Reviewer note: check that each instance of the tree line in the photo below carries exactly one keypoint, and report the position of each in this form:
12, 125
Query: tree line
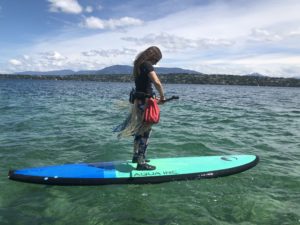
213, 79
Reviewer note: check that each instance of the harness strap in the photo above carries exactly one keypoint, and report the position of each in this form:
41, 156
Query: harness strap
139, 95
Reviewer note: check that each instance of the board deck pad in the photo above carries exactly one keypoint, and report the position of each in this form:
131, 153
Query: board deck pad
124, 172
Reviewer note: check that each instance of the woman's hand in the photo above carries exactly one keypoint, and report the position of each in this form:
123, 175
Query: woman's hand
161, 100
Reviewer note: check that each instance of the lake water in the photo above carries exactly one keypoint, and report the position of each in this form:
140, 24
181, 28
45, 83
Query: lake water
58, 122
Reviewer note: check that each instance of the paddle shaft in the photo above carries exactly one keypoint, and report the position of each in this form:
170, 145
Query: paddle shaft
172, 98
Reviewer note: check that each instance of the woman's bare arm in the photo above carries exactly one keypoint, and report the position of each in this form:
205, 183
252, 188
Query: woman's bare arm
154, 78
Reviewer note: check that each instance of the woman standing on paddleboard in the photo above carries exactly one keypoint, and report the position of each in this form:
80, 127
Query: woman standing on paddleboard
144, 76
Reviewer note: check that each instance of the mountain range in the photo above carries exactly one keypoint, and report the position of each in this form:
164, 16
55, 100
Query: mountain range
116, 69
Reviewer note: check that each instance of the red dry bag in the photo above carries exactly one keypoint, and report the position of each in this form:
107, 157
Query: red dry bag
152, 112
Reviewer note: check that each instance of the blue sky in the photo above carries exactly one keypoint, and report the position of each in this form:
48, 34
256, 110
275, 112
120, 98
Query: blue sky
210, 36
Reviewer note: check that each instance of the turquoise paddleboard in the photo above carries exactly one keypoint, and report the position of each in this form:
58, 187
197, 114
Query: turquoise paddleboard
124, 172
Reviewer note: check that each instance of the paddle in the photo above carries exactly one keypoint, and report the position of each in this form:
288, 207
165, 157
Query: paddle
172, 98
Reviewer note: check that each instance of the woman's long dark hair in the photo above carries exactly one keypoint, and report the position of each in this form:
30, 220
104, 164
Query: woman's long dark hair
150, 53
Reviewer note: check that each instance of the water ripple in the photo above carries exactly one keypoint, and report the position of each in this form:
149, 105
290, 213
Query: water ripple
54, 122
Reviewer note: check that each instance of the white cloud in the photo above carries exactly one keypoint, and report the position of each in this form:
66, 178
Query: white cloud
65, 6
53, 60
295, 32
54, 56
93, 23
109, 52
97, 23
26, 57
15, 62
263, 35
276, 65
271, 59
175, 43
89, 9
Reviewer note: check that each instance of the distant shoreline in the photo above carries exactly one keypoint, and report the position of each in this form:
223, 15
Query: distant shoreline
213, 79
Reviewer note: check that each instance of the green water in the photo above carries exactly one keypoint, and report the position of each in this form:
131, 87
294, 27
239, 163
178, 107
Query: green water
55, 122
